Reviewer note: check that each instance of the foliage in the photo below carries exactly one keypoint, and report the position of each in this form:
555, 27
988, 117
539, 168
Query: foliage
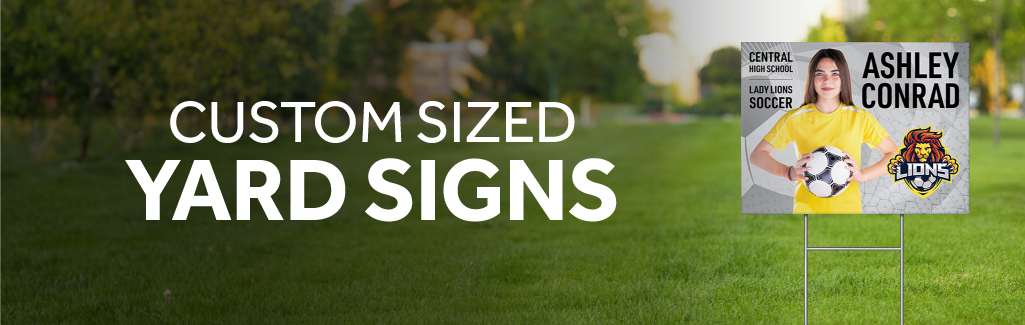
720, 83
544, 49
130, 59
126, 59
723, 68
976, 22
828, 30
723, 100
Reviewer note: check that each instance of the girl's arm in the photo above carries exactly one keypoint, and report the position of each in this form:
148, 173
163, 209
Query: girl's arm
762, 158
888, 149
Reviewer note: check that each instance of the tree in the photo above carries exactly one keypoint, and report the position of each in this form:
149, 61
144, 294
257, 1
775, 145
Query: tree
129, 59
996, 27
828, 30
44, 75
720, 83
536, 51
722, 69
954, 21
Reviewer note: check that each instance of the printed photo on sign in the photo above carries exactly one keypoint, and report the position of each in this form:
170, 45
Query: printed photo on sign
854, 128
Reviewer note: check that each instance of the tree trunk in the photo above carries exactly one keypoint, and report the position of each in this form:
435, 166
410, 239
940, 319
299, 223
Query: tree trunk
41, 142
995, 93
86, 117
86, 125
553, 85
124, 129
85, 146
33, 148
585, 110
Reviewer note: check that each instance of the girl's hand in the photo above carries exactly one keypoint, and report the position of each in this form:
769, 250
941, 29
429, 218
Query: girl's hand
799, 169
853, 167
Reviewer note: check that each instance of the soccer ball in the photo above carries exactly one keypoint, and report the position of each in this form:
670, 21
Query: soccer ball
828, 175
923, 184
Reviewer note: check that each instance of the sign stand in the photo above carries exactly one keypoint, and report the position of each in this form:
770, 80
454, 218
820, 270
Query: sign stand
901, 249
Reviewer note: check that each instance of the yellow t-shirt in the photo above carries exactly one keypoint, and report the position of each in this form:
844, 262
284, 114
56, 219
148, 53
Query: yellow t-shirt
846, 128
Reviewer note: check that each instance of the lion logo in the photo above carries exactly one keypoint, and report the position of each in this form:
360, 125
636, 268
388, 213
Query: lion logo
923, 162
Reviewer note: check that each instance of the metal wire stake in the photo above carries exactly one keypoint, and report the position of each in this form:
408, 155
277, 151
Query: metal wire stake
901, 249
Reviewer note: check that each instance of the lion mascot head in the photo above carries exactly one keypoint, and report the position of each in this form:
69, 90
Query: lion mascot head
923, 145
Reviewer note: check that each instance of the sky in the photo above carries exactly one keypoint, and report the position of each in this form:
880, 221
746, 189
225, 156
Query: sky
700, 27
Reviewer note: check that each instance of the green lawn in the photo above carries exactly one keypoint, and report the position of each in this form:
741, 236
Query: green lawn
76, 247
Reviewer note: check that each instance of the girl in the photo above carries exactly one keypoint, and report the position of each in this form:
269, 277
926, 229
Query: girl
827, 117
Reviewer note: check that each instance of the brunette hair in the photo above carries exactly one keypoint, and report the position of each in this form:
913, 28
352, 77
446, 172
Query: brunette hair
810, 96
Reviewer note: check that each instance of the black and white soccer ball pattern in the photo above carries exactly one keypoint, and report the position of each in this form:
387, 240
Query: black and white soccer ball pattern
828, 175
923, 183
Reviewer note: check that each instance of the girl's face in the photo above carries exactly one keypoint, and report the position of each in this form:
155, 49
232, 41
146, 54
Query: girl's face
827, 79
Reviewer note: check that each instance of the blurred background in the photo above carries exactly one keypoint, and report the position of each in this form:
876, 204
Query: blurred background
92, 78
655, 86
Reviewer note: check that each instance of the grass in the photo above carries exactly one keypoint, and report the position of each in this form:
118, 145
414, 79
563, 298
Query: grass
76, 247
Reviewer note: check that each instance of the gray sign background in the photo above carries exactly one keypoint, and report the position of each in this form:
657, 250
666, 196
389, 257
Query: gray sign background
764, 193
